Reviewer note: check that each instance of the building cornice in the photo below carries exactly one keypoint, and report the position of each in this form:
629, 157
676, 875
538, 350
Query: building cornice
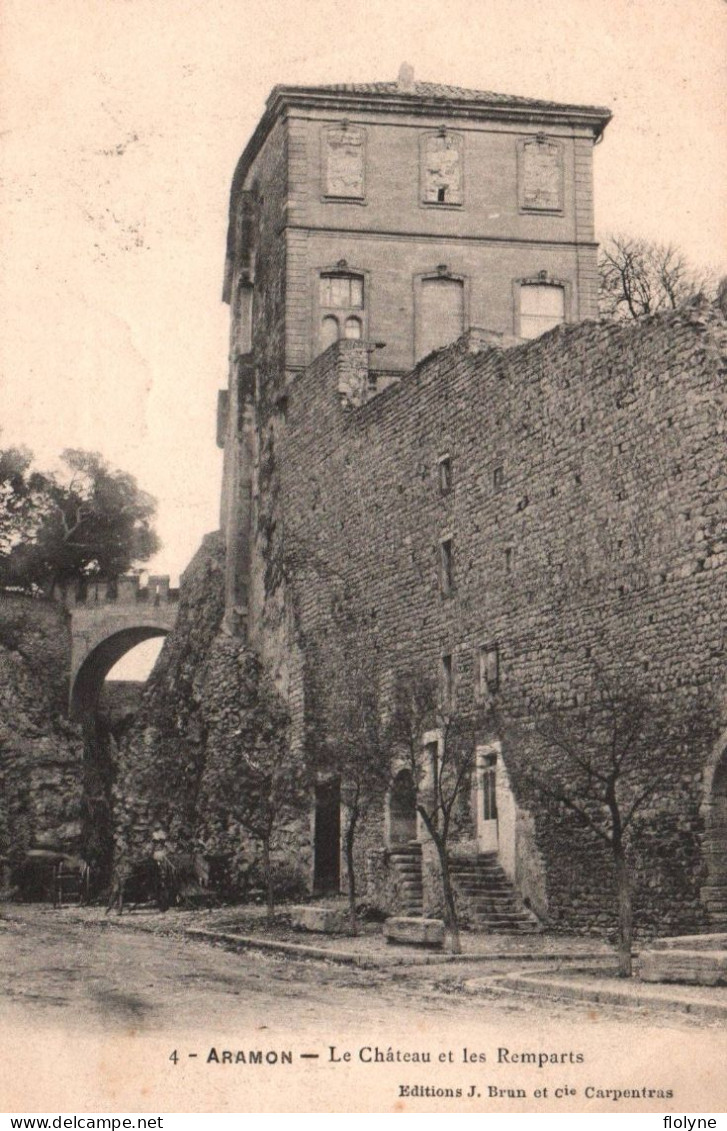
427, 101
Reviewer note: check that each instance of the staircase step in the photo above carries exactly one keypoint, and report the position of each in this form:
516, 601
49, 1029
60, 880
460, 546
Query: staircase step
406, 860
492, 901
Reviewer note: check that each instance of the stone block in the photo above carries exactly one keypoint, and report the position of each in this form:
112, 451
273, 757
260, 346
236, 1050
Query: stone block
415, 932
323, 920
716, 940
694, 967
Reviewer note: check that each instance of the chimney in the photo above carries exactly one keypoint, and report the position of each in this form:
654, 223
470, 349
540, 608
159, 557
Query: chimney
405, 81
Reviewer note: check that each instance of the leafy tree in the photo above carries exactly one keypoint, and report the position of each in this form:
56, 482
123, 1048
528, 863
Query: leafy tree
603, 763
21, 499
355, 747
442, 772
638, 277
252, 781
88, 520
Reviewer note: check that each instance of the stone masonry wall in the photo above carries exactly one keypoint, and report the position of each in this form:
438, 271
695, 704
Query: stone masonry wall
162, 754
41, 753
587, 522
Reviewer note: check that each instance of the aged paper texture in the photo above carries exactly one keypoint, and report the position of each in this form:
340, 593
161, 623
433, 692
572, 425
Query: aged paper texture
122, 123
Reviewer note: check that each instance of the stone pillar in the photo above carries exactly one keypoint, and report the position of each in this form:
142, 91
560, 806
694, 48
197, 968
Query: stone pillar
159, 587
352, 368
238, 524
127, 588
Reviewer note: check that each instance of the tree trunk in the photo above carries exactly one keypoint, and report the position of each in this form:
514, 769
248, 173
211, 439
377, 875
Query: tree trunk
625, 911
450, 907
350, 871
268, 873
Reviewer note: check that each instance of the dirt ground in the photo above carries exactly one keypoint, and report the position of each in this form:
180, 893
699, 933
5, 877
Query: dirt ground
97, 1016
94, 974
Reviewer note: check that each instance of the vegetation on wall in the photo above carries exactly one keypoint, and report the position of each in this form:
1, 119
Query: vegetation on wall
442, 770
253, 784
351, 741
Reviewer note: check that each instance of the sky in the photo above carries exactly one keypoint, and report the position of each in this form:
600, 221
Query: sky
121, 122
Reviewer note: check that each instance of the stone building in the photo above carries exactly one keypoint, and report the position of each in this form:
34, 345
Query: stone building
496, 511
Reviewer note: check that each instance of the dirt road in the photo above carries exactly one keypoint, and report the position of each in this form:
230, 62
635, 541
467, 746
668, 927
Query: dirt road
101, 1018
57, 970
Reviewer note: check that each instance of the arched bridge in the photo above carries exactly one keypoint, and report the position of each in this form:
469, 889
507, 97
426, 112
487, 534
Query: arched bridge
107, 621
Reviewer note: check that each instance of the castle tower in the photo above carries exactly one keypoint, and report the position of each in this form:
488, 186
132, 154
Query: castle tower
401, 213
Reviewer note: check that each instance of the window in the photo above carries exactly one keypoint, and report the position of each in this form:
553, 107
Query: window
442, 174
542, 306
329, 331
341, 307
431, 770
488, 770
244, 318
447, 683
440, 303
444, 467
446, 567
341, 291
488, 669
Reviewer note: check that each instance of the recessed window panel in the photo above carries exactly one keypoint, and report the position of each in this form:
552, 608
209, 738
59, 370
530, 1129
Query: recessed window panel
329, 331
542, 306
440, 314
442, 174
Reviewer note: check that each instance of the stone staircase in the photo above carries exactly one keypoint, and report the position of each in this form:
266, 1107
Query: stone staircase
715, 901
407, 861
480, 884
490, 899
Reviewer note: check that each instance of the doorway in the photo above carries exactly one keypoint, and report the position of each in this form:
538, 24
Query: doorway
486, 799
715, 843
327, 838
402, 809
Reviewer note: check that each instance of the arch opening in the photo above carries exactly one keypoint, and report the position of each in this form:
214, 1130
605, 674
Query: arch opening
402, 809
104, 720
100, 660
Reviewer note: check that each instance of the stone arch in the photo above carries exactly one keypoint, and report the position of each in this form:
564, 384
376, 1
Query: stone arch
714, 812
401, 809
100, 741
92, 672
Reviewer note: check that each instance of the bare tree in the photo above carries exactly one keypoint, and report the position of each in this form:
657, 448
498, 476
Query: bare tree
355, 746
601, 762
441, 770
639, 276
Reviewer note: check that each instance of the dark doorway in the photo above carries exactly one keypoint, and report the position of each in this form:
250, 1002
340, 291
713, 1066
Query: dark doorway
327, 838
715, 848
402, 809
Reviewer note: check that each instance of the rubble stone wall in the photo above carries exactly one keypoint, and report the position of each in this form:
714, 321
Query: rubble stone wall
41, 753
586, 520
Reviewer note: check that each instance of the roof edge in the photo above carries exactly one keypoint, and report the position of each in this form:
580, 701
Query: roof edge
281, 97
